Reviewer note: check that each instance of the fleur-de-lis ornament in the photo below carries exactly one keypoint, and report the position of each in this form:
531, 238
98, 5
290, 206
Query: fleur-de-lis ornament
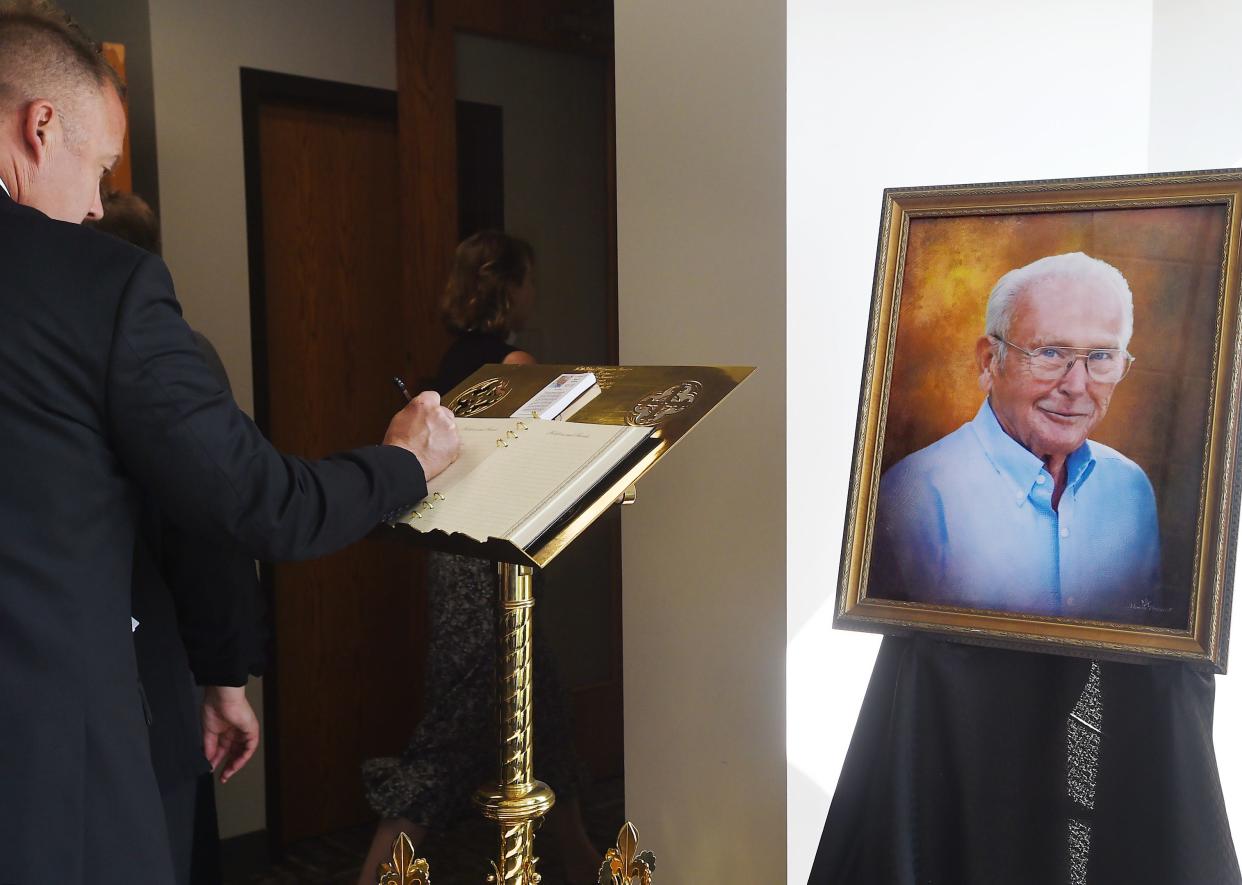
404, 868
625, 864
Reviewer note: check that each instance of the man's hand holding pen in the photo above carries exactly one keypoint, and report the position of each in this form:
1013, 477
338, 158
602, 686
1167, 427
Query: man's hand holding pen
427, 429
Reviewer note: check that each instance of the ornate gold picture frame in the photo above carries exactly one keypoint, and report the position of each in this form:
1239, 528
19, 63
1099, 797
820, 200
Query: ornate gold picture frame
1046, 452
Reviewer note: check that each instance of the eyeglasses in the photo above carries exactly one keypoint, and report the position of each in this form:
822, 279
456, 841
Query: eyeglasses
1054, 362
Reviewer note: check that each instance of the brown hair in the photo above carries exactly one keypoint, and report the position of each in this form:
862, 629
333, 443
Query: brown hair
129, 217
45, 54
487, 268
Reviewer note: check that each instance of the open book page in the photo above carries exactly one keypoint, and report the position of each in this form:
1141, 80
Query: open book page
478, 442
516, 492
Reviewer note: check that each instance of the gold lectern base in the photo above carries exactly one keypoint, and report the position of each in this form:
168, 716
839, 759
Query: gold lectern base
623, 865
499, 806
517, 815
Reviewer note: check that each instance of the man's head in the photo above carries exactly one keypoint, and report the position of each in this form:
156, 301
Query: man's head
62, 124
1073, 306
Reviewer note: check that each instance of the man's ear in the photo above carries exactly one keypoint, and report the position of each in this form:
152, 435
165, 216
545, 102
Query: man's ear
41, 127
985, 358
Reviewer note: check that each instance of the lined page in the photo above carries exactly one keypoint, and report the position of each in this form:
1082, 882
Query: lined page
516, 492
478, 443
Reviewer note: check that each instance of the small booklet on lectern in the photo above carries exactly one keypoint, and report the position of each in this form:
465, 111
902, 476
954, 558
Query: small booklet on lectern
515, 477
551, 402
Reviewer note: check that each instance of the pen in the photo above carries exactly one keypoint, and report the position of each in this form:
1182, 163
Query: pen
401, 388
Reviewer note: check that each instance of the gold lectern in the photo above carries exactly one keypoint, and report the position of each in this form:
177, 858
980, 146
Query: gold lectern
669, 399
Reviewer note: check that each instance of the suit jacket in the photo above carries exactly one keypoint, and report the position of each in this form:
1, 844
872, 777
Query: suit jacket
104, 397
201, 621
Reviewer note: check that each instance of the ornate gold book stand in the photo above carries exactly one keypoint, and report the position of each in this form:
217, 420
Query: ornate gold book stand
670, 399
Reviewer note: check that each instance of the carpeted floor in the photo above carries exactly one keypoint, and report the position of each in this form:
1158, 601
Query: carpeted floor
456, 857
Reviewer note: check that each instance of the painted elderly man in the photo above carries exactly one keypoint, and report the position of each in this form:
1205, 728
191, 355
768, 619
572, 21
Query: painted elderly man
1018, 510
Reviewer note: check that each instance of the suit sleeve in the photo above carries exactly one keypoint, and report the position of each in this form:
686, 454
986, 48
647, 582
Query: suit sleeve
221, 613
180, 435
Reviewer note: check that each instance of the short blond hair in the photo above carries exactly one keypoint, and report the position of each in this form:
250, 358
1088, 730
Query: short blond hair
44, 54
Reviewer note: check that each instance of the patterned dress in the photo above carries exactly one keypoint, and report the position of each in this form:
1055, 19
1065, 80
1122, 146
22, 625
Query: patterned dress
453, 749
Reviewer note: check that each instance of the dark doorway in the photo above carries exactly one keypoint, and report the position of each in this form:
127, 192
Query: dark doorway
480, 168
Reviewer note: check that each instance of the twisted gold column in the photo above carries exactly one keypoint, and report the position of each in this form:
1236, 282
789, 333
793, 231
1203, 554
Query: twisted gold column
518, 800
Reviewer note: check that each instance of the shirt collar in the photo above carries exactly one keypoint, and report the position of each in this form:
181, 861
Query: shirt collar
1020, 467
4, 187
1079, 464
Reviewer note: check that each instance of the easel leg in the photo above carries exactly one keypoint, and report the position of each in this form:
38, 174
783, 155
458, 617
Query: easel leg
517, 801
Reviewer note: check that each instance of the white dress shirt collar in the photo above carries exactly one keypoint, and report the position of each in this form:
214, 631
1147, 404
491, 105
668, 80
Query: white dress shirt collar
5, 188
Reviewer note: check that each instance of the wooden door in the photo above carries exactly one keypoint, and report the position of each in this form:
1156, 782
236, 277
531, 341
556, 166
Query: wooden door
331, 329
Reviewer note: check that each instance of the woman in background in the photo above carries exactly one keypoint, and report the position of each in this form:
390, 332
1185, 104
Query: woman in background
489, 296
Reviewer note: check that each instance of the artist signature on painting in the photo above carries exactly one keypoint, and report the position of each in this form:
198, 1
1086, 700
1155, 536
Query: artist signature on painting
1145, 604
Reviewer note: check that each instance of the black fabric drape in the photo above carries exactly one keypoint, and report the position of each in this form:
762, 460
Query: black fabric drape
956, 774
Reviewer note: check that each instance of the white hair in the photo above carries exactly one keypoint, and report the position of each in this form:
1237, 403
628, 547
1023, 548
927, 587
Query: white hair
1003, 301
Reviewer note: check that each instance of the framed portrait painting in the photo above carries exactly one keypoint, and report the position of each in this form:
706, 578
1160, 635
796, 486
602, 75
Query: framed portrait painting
1046, 452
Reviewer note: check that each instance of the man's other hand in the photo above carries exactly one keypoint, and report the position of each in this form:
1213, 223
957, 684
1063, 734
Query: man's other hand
230, 729
427, 429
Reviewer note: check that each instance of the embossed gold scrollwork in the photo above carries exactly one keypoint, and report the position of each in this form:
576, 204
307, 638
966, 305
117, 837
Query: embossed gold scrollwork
480, 397
660, 405
404, 868
625, 864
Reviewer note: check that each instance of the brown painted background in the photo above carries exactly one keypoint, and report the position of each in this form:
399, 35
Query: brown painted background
1158, 416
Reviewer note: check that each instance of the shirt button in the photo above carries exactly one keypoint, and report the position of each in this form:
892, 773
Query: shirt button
1064, 533
1040, 479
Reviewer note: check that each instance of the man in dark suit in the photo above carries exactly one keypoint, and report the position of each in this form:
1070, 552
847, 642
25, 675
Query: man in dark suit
198, 607
105, 398
201, 623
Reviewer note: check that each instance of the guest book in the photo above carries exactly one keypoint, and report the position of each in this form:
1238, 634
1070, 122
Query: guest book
626, 421
515, 477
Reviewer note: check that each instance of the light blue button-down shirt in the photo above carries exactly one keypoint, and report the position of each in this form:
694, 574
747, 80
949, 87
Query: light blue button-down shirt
968, 521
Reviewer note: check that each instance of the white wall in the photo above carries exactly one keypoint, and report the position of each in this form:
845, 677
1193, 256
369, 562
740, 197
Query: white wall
701, 215
1195, 89
197, 51
890, 93
1195, 125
